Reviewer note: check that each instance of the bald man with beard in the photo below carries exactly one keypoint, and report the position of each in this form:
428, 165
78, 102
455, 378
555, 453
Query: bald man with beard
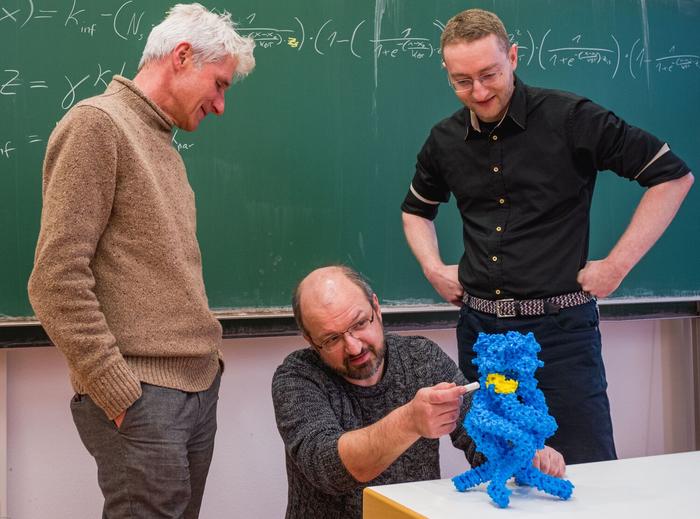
360, 407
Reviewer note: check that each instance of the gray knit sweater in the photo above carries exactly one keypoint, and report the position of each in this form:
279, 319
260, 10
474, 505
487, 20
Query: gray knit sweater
314, 407
117, 280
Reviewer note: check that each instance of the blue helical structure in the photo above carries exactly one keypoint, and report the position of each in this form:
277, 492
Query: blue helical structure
509, 419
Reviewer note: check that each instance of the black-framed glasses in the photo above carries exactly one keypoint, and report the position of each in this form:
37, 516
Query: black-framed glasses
467, 84
332, 342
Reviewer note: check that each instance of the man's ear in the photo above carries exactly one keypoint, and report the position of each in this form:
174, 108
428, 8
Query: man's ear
181, 55
513, 56
375, 304
308, 339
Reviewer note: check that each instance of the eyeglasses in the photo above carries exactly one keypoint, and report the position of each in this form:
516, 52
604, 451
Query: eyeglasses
467, 84
332, 342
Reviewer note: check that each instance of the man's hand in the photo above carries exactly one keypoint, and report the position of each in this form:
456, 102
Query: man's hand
119, 419
434, 411
550, 461
600, 278
445, 280
422, 239
654, 213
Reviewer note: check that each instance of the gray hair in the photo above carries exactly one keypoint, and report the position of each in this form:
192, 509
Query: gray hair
472, 25
211, 35
352, 275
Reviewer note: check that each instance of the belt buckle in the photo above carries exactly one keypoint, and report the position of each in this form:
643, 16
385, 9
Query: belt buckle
500, 312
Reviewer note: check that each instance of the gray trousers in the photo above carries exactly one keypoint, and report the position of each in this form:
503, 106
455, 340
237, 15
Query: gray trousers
155, 465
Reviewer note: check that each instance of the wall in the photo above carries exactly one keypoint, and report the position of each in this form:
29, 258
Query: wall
51, 476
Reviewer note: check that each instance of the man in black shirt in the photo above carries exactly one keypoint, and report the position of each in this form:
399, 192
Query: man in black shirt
522, 164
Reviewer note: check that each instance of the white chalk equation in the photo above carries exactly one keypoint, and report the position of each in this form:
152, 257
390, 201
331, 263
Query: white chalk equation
74, 87
180, 145
547, 51
416, 47
577, 51
124, 21
70, 89
8, 147
673, 62
11, 81
329, 35
115, 28
324, 36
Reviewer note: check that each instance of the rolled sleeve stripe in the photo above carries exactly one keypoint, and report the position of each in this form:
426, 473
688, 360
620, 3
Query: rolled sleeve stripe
421, 198
663, 150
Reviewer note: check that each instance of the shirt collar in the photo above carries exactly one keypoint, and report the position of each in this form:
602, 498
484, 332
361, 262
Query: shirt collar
517, 110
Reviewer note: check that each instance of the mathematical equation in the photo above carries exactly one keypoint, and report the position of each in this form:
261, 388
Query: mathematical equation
12, 82
71, 88
575, 52
329, 35
548, 50
9, 147
125, 21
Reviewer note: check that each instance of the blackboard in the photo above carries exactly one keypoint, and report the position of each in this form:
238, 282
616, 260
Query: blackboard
317, 147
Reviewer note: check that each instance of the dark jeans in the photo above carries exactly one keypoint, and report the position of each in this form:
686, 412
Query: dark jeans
572, 379
155, 465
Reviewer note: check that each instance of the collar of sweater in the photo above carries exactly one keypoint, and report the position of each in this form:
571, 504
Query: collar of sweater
141, 103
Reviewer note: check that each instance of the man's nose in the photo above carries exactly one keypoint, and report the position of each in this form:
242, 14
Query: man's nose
352, 345
219, 105
479, 91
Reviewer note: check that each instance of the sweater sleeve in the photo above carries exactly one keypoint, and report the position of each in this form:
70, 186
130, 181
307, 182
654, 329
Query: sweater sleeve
309, 427
78, 190
445, 370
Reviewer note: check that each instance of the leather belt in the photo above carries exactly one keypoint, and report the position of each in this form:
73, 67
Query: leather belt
516, 307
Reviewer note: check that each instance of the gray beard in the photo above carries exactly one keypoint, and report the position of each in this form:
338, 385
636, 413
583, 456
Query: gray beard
368, 369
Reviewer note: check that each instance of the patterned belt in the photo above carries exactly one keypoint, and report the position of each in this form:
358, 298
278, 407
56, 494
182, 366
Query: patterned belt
514, 308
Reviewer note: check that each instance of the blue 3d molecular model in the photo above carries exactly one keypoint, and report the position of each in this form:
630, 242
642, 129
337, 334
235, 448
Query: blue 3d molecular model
509, 419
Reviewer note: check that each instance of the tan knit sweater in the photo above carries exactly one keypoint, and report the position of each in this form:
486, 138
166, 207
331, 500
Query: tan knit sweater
117, 280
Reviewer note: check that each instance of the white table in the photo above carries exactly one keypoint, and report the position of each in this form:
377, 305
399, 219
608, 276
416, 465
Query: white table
654, 487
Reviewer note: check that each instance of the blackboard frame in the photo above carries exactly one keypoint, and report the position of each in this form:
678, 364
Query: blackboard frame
280, 323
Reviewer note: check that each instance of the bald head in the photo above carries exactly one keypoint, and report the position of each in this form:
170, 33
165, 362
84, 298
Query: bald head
328, 286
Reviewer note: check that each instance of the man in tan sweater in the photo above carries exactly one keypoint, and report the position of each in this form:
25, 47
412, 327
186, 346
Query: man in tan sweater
117, 281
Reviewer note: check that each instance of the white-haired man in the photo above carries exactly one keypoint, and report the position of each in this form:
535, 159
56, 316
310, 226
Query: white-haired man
117, 281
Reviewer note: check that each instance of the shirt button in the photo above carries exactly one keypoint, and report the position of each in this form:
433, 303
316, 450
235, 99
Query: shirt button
501, 201
499, 228
494, 258
495, 169
494, 137
498, 291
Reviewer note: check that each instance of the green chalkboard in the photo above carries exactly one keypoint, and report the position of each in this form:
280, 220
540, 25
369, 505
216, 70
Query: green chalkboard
317, 147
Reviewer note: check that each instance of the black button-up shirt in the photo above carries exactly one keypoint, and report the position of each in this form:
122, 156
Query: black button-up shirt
524, 190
